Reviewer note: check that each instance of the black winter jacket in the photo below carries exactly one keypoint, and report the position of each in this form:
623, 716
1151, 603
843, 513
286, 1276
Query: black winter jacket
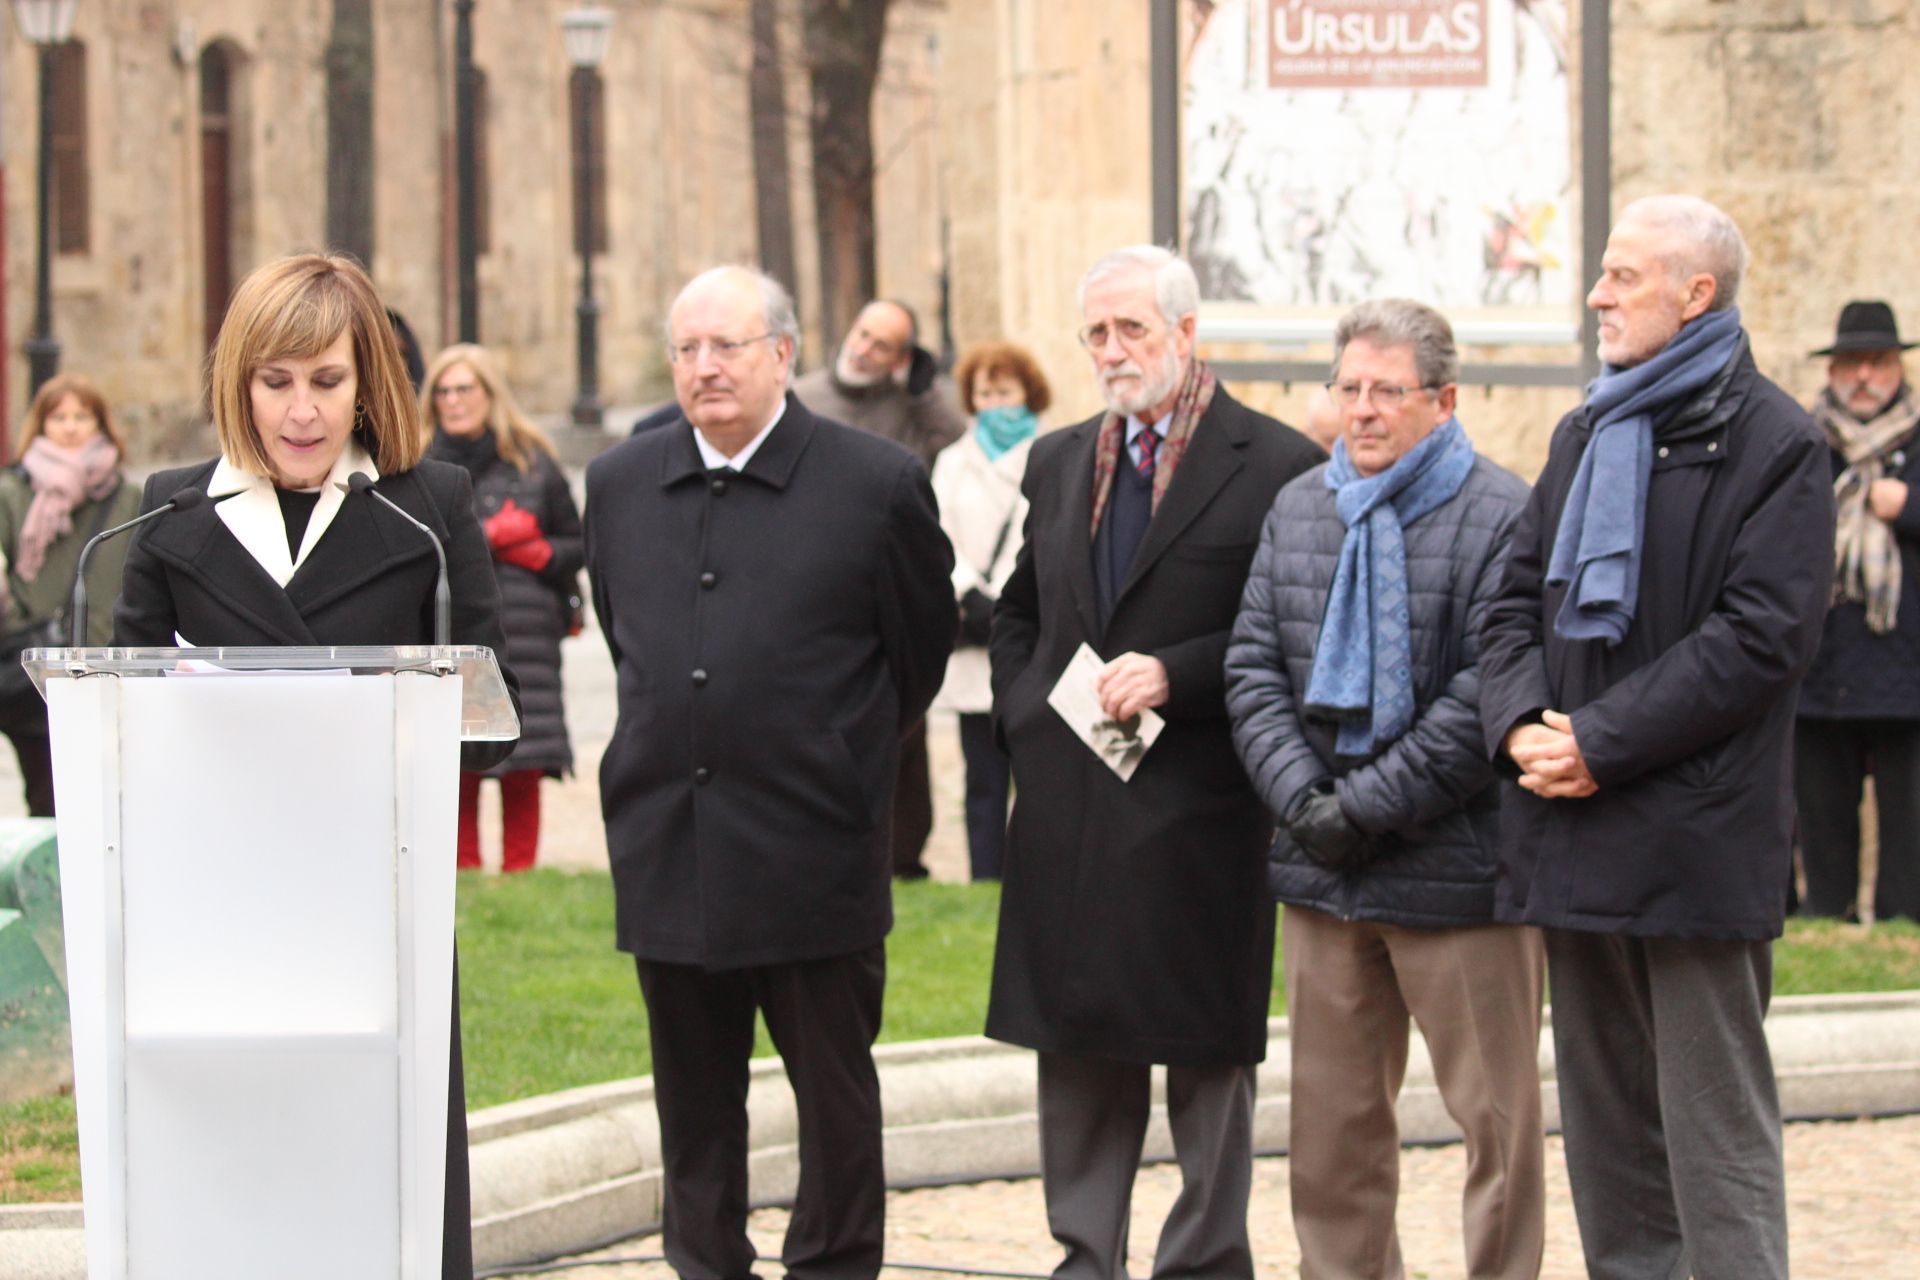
1428, 798
1858, 675
533, 608
1687, 724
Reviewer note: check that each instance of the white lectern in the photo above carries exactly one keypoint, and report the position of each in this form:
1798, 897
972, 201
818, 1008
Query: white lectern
257, 870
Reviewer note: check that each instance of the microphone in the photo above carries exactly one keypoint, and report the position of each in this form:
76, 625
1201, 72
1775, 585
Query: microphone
185, 500
361, 482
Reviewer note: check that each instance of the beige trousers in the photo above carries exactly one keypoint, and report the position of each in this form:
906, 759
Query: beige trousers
1475, 993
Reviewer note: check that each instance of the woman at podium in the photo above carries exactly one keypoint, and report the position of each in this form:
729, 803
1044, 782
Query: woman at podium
308, 389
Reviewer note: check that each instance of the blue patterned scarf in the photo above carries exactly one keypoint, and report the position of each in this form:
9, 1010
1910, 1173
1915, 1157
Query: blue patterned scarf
1363, 667
1597, 547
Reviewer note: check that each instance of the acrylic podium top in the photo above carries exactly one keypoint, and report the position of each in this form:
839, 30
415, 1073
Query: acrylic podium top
486, 710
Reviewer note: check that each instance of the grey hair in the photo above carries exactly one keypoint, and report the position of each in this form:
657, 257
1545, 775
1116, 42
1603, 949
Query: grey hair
1176, 290
776, 304
1402, 322
1710, 241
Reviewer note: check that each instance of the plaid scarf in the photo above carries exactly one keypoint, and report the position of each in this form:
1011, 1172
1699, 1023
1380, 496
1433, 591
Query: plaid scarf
1866, 560
1191, 402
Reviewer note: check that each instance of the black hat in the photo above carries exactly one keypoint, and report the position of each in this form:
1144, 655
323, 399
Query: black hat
1866, 326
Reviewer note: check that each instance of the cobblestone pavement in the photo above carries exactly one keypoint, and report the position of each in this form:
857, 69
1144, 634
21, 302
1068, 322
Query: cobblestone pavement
1850, 1216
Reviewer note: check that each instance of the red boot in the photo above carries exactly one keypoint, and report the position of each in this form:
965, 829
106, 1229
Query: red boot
466, 847
519, 819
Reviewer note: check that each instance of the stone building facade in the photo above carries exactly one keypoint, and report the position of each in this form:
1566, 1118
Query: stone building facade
262, 127
1800, 117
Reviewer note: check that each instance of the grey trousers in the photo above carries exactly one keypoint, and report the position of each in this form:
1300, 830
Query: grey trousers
1668, 1101
1093, 1125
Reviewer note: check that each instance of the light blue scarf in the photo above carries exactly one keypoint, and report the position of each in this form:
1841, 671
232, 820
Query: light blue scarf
1604, 523
1003, 427
1363, 667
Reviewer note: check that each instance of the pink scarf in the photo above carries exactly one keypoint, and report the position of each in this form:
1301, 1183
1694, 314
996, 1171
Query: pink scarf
61, 478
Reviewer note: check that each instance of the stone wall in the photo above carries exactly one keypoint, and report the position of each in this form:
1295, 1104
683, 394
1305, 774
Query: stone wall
1800, 117
680, 191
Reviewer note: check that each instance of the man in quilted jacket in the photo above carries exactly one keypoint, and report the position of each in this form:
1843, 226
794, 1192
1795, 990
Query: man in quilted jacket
1353, 682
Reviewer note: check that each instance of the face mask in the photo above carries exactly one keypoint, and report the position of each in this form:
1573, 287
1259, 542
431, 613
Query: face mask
1003, 427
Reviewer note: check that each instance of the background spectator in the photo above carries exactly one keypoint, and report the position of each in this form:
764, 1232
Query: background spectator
522, 500
977, 482
65, 488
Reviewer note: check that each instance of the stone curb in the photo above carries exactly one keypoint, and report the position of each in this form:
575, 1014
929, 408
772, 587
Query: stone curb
563, 1173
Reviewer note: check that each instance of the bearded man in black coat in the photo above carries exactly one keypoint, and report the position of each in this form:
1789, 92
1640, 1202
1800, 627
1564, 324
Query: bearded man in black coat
775, 590
1663, 596
1135, 922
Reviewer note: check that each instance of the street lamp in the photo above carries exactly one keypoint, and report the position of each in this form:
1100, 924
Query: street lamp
586, 32
466, 175
45, 24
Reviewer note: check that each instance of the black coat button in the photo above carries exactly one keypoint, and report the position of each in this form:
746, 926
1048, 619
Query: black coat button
719, 486
708, 579
700, 677
702, 776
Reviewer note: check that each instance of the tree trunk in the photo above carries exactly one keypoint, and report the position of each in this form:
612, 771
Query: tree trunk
772, 177
843, 39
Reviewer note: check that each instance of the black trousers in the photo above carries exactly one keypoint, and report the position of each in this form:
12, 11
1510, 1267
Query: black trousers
456, 1247
1831, 762
823, 1016
35, 753
912, 804
989, 775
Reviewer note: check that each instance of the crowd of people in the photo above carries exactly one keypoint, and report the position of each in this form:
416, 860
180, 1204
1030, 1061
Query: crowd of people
1481, 739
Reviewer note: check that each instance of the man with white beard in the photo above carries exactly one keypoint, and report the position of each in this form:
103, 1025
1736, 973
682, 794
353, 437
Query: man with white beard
1135, 922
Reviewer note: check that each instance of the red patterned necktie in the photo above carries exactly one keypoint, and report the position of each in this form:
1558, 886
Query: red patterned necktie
1148, 442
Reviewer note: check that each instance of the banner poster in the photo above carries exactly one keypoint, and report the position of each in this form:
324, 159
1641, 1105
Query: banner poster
1337, 150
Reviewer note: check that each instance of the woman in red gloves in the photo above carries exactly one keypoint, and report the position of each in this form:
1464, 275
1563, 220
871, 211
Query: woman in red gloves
533, 527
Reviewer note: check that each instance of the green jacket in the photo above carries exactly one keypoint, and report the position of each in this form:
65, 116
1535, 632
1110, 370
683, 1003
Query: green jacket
48, 593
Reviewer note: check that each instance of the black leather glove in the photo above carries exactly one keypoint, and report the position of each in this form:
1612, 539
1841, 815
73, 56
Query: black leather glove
1324, 832
976, 616
921, 372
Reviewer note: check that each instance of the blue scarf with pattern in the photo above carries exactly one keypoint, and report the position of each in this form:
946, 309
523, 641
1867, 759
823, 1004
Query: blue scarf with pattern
1596, 550
1363, 666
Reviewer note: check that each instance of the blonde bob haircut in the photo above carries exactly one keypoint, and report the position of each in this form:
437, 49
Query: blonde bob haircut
514, 434
48, 398
293, 309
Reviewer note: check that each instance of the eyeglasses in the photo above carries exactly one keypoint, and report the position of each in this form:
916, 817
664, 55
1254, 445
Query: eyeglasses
449, 390
1384, 395
723, 350
1095, 336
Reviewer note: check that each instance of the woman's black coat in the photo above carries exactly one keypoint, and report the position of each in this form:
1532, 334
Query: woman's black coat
1687, 724
369, 580
533, 606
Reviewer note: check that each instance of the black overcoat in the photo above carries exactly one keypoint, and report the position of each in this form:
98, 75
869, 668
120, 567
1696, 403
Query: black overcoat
1858, 675
1687, 724
369, 580
533, 606
772, 634
1135, 922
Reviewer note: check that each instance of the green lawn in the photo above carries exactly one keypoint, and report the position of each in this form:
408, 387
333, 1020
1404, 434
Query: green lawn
547, 1003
